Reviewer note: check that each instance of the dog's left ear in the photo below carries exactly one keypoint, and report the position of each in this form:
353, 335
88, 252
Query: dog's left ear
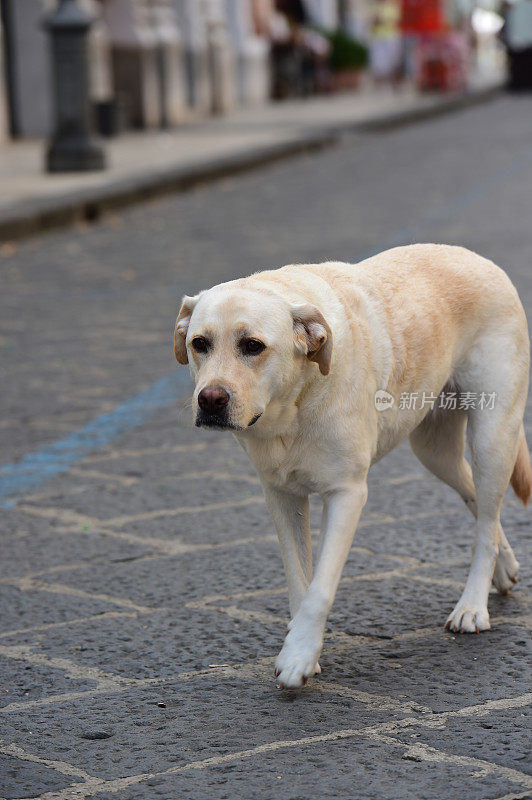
313, 336
181, 327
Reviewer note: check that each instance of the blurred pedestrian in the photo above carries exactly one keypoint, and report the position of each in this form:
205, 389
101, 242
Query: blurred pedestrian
516, 34
419, 20
385, 42
299, 51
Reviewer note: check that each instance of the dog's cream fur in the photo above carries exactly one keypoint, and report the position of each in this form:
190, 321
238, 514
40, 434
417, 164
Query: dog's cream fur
423, 318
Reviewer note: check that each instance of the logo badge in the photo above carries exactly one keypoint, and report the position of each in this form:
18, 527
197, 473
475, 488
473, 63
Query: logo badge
383, 400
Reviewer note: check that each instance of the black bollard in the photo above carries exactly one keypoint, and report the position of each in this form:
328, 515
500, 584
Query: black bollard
72, 147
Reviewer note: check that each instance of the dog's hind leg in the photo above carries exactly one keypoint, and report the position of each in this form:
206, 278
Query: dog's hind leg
498, 452
439, 443
494, 442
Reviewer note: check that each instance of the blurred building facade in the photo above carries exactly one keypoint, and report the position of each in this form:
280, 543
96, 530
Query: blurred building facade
153, 63
160, 63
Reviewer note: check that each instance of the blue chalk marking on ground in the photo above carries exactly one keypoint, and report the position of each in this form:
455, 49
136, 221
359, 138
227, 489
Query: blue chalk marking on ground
33, 469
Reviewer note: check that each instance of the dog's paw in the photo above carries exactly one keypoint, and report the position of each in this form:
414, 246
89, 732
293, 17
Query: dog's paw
468, 619
297, 661
505, 574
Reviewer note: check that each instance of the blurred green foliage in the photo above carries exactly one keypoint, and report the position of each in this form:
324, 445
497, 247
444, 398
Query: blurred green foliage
346, 52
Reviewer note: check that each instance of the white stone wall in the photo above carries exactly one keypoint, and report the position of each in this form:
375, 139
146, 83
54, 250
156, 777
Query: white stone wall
252, 54
163, 61
193, 26
171, 50
222, 58
135, 61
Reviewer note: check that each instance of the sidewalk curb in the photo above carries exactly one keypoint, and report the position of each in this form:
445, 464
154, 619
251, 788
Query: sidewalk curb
36, 216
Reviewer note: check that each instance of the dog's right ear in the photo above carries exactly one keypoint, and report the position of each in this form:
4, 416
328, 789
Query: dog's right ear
181, 327
312, 335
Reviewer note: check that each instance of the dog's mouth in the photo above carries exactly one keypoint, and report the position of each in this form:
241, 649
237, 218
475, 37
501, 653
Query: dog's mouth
216, 423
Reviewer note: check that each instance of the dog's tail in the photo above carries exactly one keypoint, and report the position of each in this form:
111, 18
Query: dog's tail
521, 479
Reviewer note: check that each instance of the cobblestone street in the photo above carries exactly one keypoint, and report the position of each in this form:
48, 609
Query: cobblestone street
142, 596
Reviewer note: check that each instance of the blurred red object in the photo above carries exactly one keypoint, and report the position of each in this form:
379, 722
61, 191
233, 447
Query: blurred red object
442, 62
422, 16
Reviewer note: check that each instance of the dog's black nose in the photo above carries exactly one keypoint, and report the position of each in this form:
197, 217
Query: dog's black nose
213, 399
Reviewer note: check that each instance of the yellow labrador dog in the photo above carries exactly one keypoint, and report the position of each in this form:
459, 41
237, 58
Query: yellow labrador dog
316, 369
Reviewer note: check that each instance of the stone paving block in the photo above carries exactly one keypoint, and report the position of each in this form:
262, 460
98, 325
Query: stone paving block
19, 778
34, 546
412, 497
348, 768
220, 527
21, 609
387, 606
169, 492
164, 644
435, 668
165, 428
380, 607
500, 738
22, 681
175, 453
217, 464
435, 537
204, 717
171, 581
518, 600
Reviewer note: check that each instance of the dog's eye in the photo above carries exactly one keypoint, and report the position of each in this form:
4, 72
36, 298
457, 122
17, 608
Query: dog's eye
200, 344
250, 347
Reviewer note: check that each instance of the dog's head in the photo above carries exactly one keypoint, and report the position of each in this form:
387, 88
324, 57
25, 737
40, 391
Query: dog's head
246, 348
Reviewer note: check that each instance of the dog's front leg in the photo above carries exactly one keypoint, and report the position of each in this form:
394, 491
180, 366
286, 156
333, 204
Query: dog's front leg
290, 514
303, 643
